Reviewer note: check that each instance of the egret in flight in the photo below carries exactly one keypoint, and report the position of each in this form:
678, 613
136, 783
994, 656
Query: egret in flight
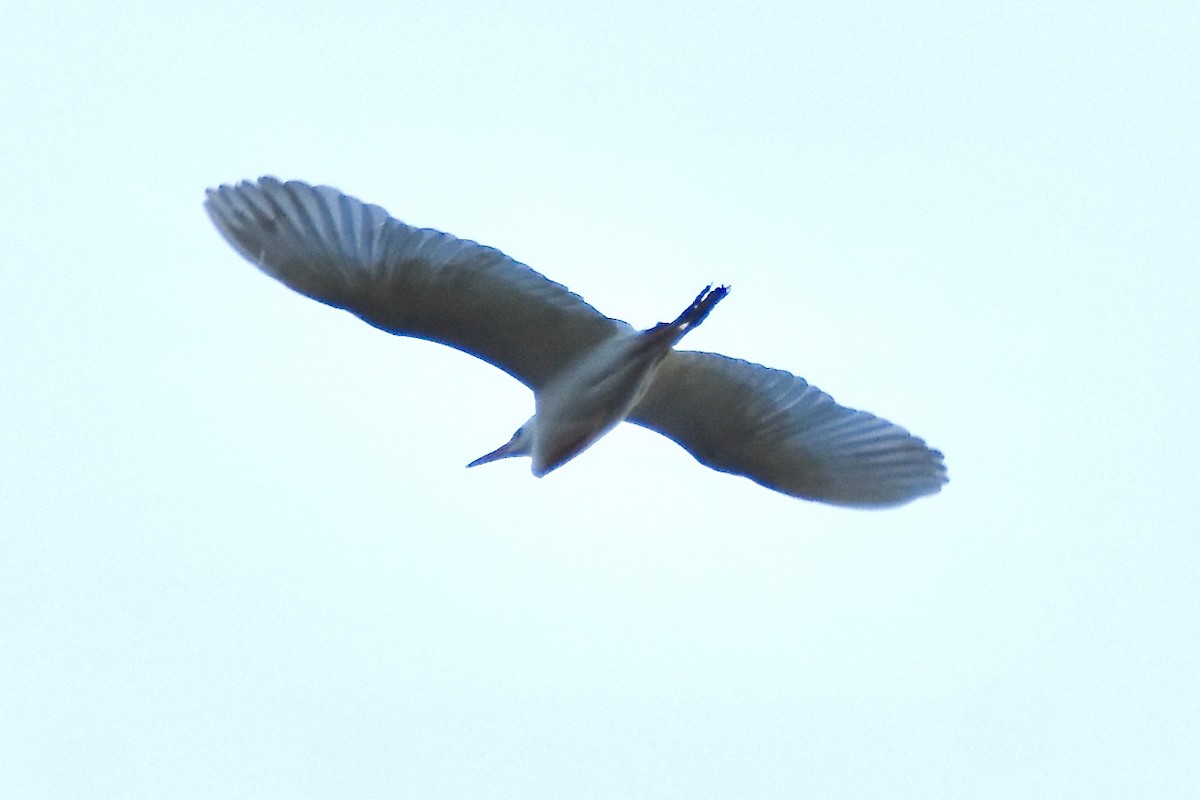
588, 372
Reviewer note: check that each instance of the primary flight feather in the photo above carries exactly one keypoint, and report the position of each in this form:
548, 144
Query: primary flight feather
588, 372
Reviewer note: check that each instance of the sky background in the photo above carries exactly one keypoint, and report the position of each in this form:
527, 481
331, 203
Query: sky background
240, 556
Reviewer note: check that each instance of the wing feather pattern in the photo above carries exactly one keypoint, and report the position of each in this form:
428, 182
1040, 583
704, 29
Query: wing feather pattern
408, 281
785, 434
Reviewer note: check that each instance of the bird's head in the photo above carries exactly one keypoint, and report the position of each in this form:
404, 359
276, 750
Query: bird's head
521, 444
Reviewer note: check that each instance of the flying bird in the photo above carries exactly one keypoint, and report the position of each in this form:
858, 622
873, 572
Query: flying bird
588, 372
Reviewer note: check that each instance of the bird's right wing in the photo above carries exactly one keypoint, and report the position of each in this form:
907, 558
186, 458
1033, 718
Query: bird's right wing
408, 281
782, 433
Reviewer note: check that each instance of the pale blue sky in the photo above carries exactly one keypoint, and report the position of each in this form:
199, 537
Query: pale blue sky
240, 556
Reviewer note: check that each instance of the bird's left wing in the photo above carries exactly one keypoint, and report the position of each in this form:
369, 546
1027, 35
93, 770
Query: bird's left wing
785, 434
408, 281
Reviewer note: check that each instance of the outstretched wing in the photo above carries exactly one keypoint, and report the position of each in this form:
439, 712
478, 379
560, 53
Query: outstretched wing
780, 432
408, 281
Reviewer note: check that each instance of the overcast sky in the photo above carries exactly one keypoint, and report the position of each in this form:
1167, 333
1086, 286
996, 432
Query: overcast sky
240, 556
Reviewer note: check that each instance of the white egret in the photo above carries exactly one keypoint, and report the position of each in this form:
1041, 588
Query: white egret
588, 372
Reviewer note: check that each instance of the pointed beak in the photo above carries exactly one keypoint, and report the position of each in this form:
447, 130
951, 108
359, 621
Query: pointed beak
503, 451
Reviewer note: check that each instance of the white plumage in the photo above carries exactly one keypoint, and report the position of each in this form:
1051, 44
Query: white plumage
588, 372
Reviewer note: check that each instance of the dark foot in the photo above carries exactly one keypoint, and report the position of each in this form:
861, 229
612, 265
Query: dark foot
700, 308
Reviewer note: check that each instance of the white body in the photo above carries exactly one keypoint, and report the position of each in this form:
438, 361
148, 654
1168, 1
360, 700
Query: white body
588, 372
